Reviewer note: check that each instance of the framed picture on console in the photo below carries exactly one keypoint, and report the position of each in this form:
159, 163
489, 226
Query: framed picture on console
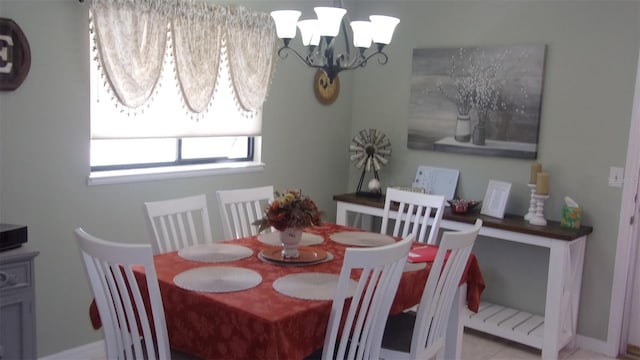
495, 199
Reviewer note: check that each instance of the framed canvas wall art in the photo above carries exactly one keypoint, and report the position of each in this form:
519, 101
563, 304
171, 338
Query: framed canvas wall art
477, 100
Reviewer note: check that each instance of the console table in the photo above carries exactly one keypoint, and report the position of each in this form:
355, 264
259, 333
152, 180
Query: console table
550, 331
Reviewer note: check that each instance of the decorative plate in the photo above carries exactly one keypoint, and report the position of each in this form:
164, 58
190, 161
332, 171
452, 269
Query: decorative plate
307, 255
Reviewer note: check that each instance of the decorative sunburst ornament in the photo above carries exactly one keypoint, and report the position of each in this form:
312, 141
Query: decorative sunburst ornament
370, 151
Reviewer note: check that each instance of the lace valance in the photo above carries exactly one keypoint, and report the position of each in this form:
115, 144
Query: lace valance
132, 36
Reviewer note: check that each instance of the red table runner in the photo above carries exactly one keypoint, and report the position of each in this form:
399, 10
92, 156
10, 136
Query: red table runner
261, 323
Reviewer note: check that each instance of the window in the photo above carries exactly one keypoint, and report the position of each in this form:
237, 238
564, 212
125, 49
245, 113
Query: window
186, 113
126, 139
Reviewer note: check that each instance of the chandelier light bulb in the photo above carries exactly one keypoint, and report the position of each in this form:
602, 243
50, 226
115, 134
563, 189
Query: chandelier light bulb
362, 34
285, 21
329, 19
309, 32
383, 28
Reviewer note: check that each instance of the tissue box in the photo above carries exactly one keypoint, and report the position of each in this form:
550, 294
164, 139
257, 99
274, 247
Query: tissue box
571, 217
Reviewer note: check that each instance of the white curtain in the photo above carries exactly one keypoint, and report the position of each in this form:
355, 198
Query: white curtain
131, 38
251, 47
197, 42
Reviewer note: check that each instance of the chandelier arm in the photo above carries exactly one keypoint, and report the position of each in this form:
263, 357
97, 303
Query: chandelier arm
306, 60
362, 61
283, 55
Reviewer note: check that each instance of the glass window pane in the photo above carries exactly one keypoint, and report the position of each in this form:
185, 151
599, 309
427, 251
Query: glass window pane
106, 152
215, 147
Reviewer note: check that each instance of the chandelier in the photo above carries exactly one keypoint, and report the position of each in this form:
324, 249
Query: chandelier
319, 36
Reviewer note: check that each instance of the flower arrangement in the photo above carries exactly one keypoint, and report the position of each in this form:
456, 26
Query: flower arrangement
290, 209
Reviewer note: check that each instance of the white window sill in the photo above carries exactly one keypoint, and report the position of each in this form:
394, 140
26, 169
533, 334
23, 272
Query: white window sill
174, 172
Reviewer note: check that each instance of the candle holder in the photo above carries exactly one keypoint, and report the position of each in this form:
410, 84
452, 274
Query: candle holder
532, 203
538, 216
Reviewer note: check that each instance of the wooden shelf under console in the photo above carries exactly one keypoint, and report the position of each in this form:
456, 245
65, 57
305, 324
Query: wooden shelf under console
550, 331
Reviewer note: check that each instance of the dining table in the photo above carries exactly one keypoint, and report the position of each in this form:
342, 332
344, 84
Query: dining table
263, 319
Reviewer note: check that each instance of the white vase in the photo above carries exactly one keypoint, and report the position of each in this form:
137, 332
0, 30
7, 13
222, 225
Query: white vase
290, 239
463, 128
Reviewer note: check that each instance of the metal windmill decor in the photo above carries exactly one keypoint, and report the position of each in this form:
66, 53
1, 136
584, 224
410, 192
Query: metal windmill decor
370, 151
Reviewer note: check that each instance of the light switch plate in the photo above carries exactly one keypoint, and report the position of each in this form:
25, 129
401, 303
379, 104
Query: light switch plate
616, 176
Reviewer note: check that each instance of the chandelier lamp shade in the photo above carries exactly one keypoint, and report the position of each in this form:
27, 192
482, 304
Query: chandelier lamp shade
319, 36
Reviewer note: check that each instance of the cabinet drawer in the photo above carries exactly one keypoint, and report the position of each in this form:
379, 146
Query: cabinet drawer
15, 276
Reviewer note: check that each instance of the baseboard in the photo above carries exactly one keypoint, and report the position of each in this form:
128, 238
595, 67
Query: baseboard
80, 352
594, 345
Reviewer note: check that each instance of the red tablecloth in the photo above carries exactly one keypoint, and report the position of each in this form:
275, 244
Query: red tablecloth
260, 323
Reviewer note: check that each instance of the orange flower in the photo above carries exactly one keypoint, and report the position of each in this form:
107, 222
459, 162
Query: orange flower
290, 210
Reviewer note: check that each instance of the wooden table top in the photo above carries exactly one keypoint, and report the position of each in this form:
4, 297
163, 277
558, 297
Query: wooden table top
510, 222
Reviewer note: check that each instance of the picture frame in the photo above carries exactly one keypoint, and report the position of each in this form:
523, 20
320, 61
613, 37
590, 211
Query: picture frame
479, 100
495, 199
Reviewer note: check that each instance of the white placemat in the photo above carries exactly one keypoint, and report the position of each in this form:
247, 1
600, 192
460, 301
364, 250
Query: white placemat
311, 286
213, 253
360, 238
217, 279
273, 238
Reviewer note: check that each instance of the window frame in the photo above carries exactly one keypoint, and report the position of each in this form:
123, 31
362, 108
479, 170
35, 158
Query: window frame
123, 176
180, 161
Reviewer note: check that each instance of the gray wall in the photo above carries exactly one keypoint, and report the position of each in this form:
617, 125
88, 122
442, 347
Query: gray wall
592, 55
44, 137
591, 60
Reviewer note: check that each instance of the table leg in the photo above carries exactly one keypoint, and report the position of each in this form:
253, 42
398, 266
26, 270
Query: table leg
341, 214
574, 285
553, 303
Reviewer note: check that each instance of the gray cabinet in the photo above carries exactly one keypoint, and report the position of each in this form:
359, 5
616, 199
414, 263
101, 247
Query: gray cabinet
17, 304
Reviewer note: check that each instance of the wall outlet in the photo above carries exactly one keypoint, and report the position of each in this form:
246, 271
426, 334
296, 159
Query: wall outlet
616, 176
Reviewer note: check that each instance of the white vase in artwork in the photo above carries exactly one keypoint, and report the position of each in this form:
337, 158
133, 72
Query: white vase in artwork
463, 128
290, 239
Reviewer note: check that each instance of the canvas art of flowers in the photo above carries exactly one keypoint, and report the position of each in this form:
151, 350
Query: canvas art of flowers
290, 209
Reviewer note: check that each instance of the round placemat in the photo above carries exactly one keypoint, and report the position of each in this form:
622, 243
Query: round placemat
217, 279
273, 238
361, 238
216, 252
311, 286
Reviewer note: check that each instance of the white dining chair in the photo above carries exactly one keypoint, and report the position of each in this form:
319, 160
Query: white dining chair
178, 223
121, 301
240, 208
423, 335
358, 333
416, 214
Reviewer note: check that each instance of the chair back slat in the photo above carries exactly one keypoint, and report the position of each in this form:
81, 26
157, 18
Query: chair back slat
418, 214
132, 315
437, 298
361, 335
240, 208
178, 223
